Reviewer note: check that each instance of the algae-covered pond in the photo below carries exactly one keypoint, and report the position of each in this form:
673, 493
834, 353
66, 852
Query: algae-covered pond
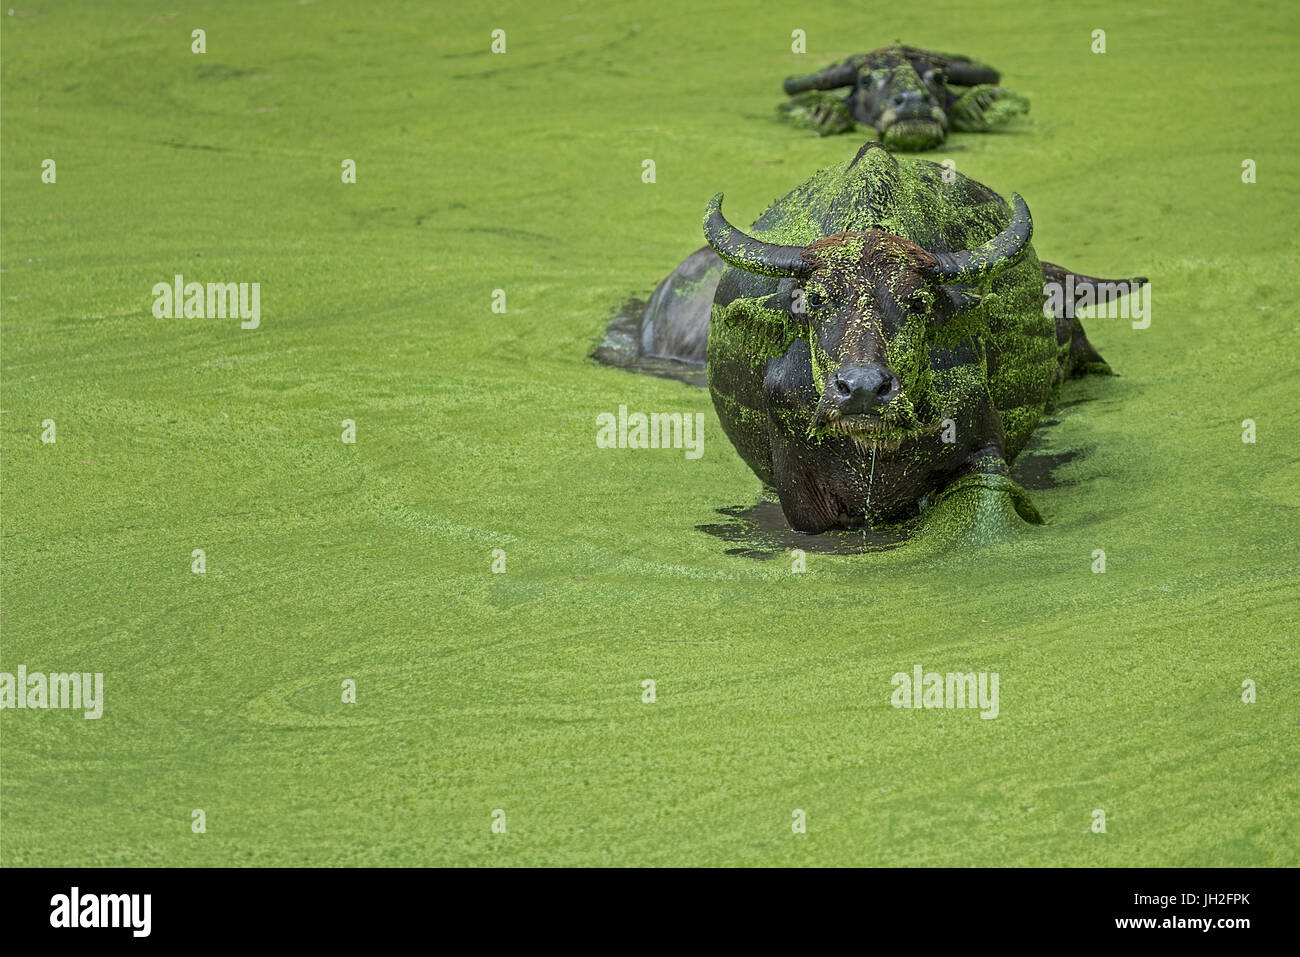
616, 652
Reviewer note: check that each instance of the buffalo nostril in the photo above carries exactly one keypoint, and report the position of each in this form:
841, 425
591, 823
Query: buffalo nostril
863, 387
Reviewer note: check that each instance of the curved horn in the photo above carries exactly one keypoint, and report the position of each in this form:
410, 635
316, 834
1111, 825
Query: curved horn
831, 78
972, 74
746, 252
972, 265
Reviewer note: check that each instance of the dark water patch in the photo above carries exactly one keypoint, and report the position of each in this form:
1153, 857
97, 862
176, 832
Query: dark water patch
761, 531
1061, 406
1035, 471
1035, 467
621, 348
508, 233
220, 71
177, 145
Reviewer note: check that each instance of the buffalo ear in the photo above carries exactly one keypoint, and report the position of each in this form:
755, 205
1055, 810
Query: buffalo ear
788, 298
962, 296
773, 322
951, 300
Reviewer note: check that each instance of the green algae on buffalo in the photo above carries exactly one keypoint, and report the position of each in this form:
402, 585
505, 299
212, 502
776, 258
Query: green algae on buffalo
878, 345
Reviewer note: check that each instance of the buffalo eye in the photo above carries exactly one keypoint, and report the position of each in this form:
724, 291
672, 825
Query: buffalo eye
814, 299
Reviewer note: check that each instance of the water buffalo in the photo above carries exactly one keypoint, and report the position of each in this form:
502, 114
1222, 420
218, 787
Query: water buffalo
879, 336
911, 97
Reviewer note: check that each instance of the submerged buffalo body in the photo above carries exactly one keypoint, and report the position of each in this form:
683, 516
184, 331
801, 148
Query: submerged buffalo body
911, 97
876, 337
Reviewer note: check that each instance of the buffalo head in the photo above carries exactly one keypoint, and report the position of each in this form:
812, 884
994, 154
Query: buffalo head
903, 105
903, 101
869, 304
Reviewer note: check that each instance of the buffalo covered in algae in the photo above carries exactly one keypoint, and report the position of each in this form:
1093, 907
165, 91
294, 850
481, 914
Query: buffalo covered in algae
877, 345
911, 97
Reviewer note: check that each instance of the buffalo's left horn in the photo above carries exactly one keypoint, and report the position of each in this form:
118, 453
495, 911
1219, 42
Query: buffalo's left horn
972, 265
972, 74
746, 252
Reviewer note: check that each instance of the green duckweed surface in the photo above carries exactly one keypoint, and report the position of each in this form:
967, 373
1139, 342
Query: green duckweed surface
522, 692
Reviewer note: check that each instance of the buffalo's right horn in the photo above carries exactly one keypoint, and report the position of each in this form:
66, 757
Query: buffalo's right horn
746, 252
833, 77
